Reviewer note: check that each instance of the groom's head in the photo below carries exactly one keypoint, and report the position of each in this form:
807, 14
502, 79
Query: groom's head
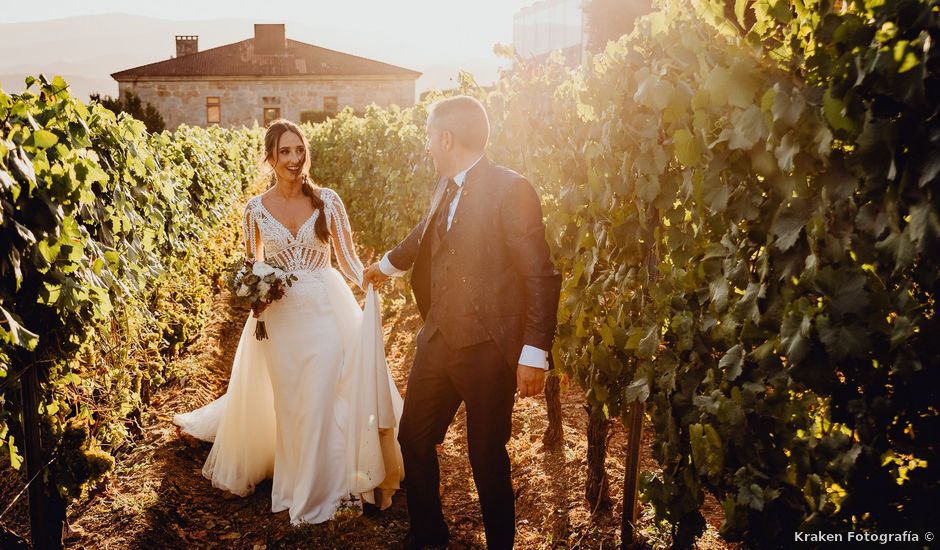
458, 130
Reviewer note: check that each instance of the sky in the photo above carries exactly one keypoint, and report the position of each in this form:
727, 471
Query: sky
441, 27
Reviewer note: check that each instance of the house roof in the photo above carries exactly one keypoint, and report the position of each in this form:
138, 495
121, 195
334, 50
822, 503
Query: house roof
240, 59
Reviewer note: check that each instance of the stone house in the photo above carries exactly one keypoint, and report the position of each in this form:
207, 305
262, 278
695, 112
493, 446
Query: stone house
263, 78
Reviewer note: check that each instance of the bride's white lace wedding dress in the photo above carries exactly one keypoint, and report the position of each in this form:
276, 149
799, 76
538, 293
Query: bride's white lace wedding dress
313, 405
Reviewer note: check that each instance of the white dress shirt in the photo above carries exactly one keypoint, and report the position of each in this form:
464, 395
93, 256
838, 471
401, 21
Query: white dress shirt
531, 355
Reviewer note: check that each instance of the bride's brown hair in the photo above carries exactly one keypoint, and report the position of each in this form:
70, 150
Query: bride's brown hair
271, 138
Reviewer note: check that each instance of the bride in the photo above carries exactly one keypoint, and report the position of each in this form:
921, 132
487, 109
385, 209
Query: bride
313, 406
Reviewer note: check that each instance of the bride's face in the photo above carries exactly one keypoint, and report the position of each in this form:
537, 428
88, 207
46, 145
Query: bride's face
289, 157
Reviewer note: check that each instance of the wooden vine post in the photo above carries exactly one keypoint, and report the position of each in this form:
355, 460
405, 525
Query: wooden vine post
46, 520
597, 484
631, 475
554, 433
634, 420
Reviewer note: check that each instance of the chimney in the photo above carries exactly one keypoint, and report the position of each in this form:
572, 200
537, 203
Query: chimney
186, 45
270, 39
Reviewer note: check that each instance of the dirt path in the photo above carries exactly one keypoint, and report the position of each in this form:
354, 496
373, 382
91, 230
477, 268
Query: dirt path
157, 497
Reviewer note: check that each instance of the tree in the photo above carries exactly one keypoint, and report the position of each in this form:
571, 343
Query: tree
608, 20
134, 106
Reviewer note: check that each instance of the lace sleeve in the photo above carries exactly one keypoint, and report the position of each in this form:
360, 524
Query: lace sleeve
343, 247
253, 247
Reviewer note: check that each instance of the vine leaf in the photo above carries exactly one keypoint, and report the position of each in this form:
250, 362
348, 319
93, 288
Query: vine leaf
12, 332
732, 361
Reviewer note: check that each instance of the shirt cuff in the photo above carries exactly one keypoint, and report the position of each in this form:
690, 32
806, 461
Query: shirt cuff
386, 267
534, 357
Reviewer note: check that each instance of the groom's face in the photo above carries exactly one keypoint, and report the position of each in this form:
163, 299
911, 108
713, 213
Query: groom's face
439, 146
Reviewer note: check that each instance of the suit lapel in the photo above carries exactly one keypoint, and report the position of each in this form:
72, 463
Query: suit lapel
469, 194
477, 173
438, 194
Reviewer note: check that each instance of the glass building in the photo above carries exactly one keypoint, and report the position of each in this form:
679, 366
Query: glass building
547, 26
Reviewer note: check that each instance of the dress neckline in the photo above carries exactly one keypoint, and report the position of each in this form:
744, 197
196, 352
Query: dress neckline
284, 227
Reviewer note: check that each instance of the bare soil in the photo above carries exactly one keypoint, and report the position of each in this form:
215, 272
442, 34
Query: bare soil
158, 498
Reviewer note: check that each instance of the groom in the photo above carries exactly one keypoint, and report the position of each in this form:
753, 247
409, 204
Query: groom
488, 293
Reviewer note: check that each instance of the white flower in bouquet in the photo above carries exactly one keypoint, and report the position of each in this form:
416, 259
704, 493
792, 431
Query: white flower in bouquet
262, 269
261, 284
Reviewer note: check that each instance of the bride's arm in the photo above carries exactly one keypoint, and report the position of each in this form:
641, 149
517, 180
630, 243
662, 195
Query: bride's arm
253, 244
338, 221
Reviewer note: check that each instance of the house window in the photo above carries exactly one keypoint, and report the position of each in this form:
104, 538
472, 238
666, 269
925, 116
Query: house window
330, 105
271, 114
213, 110
270, 100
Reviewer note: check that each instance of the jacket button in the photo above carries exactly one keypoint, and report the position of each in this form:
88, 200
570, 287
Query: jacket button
463, 280
452, 251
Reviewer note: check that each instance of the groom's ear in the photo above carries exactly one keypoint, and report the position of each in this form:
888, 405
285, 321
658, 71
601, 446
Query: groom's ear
447, 139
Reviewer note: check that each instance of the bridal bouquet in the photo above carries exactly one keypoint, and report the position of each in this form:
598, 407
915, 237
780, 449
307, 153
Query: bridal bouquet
261, 284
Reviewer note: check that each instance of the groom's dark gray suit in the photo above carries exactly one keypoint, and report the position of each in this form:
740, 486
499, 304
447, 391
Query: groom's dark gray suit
485, 288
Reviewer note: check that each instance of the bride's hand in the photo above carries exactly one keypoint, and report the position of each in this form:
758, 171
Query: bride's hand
259, 309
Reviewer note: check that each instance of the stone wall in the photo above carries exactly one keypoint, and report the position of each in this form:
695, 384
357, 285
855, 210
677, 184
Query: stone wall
242, 100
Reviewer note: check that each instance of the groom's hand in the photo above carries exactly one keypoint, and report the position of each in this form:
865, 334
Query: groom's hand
373, 275
529, 380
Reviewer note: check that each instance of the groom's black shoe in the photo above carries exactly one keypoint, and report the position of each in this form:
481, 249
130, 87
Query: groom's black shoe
424, 540
370, 510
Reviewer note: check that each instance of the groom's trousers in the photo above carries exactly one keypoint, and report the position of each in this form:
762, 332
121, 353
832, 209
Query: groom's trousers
440, 379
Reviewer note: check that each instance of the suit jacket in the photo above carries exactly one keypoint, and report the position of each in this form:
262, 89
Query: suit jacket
492, 272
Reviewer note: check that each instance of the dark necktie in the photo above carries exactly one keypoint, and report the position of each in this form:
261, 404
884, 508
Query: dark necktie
440, 223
